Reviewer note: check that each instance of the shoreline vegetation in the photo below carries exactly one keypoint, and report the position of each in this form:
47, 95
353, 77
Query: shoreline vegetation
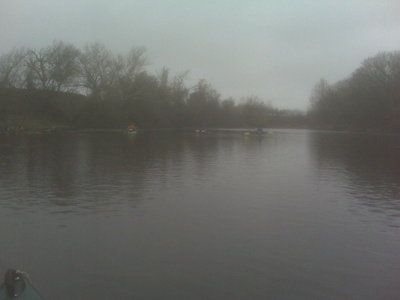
33, 111
63, 88
368, 100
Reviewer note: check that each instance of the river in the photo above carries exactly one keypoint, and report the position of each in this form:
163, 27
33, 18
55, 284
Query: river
291, 214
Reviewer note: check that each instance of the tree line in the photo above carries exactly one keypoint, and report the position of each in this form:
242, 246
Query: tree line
119, 90
368, 100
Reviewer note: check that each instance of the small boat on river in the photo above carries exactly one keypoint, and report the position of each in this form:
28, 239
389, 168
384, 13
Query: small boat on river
132, 129
17, 286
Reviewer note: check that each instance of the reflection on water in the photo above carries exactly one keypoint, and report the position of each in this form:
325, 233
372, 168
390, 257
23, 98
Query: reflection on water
290, 215
369, 165
74, 173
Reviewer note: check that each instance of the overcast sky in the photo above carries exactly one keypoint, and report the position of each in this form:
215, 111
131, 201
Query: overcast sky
275, 49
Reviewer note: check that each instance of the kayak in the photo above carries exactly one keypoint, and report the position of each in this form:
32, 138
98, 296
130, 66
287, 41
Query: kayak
17, 286
132, 129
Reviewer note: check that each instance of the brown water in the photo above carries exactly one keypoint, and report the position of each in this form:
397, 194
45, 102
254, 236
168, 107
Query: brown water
290, 215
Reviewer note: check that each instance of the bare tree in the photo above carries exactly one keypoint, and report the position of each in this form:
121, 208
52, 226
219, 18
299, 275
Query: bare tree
62, 60
124, 69
11, 68
319, 91
131, 64
369, 98
178, 89
38, 69
96, 68
254, 112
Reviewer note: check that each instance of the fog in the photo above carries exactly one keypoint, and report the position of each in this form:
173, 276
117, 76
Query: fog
276, 50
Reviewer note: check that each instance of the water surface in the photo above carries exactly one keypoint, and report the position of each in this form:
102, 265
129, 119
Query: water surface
290, 215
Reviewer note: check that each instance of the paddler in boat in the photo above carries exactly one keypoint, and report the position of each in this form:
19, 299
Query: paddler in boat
132, 127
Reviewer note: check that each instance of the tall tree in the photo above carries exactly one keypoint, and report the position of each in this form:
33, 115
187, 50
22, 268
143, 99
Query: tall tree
254, 112
62, 60
11, 68
38, 69
368, 99
97, 69
123, 71
203, 104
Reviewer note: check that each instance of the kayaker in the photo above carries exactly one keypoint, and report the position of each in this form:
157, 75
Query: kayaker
132, 127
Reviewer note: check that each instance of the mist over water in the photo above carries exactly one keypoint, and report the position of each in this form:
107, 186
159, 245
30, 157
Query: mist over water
295, 214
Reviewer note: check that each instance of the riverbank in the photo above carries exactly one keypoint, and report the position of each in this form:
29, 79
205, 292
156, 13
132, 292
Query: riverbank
40, 112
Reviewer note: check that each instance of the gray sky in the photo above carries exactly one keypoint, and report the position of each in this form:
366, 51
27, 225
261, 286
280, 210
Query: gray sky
275, 49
